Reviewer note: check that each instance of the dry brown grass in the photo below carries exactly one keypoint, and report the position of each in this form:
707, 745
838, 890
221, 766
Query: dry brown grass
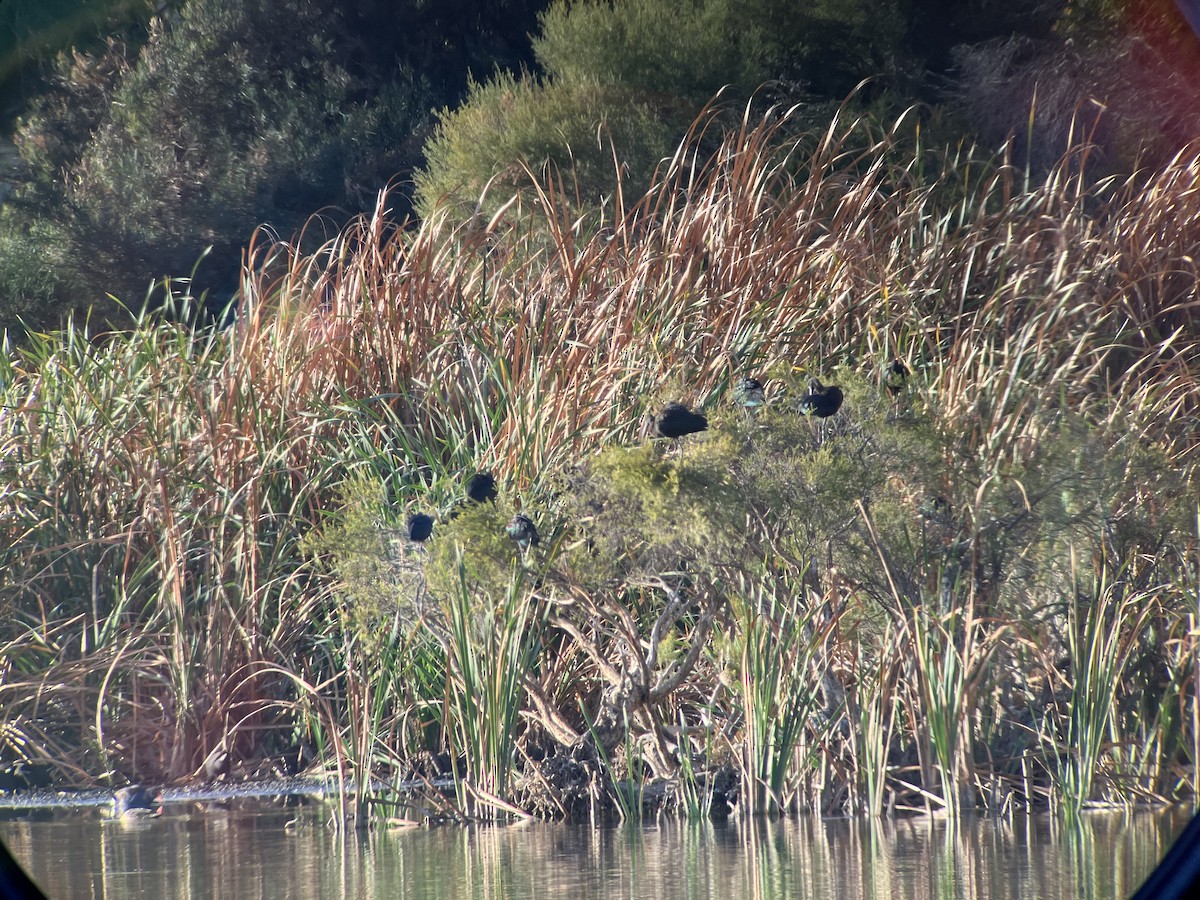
157, 485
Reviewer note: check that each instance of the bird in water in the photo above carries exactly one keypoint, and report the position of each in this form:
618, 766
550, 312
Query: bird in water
522, 530
821, 401
676, 420
895, 376
481, 487
136, 802
750, 394
420, 526
217, 763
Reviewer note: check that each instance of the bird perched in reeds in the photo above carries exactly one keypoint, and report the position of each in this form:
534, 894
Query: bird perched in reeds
522, 530
676, 421
481, 487
821, 401
895, 376
750, 394
136, 802
420, 527
935, 510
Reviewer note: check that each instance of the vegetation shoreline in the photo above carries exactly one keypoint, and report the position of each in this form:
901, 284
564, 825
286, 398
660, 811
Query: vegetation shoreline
977, 590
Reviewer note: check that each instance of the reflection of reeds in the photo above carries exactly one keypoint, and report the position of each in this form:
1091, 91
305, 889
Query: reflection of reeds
156, 598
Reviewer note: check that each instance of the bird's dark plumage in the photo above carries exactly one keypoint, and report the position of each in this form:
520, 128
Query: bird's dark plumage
216, 764
135, 801
420, 527
821, 401
750, 393
895, 375
676, 420
481, 487
522, 530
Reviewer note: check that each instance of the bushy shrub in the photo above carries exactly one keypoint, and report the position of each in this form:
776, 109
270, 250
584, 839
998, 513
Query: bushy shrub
377, 574
689, 50
551, 127
638, 71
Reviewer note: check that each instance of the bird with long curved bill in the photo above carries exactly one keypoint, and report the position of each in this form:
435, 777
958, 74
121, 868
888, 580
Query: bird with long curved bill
522, 530
821, 401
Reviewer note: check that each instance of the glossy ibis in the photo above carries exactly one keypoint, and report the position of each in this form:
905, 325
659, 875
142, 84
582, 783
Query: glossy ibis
420, 526
676, 420
136, 802
821, 401
750, 394
481, 487
522, 530
895, 376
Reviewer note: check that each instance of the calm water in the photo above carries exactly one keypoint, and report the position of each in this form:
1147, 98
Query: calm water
270, 852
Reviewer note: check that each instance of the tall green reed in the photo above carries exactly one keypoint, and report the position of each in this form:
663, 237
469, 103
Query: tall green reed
1103, 624
491, 647
777, 647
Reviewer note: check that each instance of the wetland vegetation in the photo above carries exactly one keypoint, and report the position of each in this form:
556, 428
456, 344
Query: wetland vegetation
975, 589
674, 435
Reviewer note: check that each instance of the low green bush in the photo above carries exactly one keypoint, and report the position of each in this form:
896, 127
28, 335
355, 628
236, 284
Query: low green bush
509, 129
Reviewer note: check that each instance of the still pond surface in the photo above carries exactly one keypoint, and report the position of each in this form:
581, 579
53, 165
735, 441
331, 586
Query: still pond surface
251, 852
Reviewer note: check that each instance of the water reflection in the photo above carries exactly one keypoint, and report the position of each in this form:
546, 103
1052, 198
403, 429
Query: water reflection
269, 853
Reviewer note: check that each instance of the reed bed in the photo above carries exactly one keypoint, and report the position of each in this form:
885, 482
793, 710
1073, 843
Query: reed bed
203, 530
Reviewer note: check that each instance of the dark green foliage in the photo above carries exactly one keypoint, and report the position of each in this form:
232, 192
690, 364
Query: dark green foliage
473, 552
550, 127
687, 50
638, 72
645, 515
232, 114
32, 32
1121, 72
377, 578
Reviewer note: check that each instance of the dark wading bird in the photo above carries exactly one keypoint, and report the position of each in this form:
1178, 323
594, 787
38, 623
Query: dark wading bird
481, 487
522, 530
821, 401
676, 420
750, 394
136, 802
420, 526
895, 376
217, 763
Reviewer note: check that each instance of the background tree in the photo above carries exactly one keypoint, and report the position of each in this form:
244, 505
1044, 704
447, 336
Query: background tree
231, 114
634, 74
